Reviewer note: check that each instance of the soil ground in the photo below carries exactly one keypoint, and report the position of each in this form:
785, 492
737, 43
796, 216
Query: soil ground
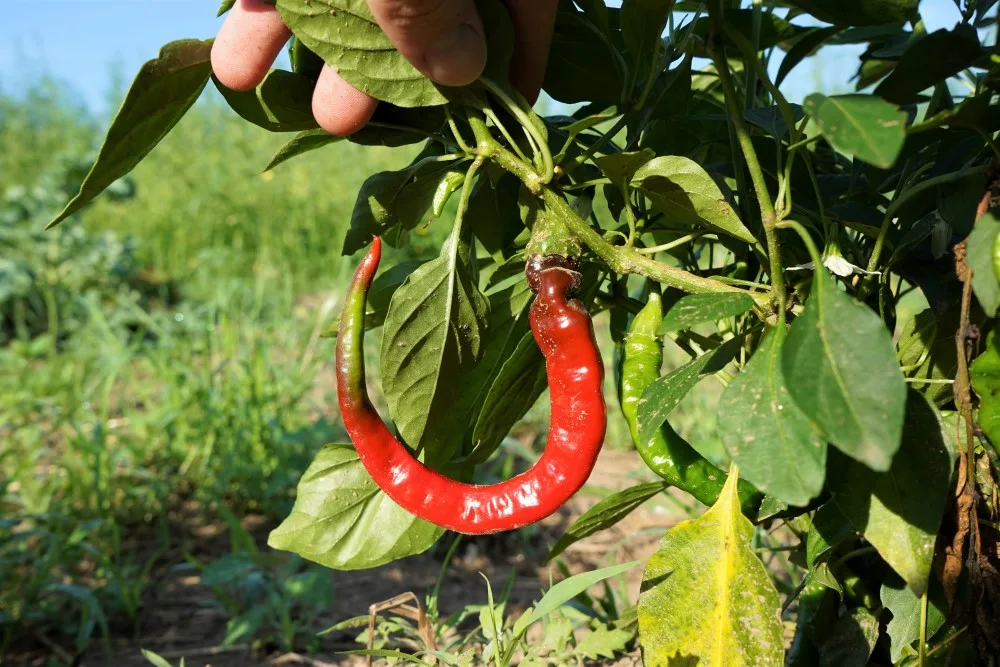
181, 621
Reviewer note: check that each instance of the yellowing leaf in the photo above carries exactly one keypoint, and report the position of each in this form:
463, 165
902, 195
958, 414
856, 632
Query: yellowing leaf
707, 597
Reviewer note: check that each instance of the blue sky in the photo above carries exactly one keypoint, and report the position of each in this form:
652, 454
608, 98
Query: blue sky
84, 42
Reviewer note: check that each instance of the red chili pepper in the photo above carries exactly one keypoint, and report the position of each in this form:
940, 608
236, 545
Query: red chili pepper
565, 334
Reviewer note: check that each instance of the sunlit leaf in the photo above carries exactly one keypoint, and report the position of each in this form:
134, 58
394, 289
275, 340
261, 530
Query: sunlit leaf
433, 334
840, 368
760, 425
606, 513
685, 193
162, 92
864, 126
707, 598
696, 309
342, 520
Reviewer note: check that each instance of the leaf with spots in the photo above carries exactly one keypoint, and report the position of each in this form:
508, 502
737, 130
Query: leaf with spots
706, 596
865, 126
841, 370
760, 424
434, 333
342, 520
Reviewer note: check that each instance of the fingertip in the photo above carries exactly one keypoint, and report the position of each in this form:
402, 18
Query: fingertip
247, 44
443, 39
534, 22
339, 107
458, 58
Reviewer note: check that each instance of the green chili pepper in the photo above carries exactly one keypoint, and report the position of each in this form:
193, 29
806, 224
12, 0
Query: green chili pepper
667, 454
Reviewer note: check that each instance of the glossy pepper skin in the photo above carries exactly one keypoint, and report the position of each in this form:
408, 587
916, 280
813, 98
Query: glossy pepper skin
564, 332
667, 454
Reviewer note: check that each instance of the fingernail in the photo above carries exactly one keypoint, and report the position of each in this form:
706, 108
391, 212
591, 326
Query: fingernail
457, 58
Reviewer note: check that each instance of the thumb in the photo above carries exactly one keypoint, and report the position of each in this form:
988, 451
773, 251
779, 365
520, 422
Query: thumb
441, 38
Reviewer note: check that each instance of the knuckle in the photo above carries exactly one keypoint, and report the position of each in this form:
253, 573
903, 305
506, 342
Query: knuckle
404, 13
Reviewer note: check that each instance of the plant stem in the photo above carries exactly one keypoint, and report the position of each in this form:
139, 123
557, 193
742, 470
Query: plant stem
488, 112
922, 649
897, 203
620, 260
670, 246
768, 217
599, 144
524, 117
454, 130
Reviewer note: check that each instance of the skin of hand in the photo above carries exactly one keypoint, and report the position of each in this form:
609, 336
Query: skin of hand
441, 38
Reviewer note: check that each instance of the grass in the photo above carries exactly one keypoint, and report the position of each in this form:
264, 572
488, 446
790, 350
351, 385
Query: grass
132, 415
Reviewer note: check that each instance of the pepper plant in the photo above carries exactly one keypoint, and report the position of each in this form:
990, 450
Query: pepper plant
833, 264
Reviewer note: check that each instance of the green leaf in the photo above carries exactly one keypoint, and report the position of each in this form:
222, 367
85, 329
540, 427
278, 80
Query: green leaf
389, 126
567, 589
851, 641
433, 334
225, 6
621, 167
303, 142
759, 424
153, 658
517, 386
686, 194
342, 520
162, 92
930, 60
774, 31
606, 513
345, 34
583, 64
817, 611
706, 596
828, 529
841, 370
602, 642
904, 628
858, 12
387, 653
899, 511
396, 200
926, 347
980, 260
509, 301
493, 215
771, 120
642, 24
806, 46
696, 309
281, 103
865, 126
985, 376
664, 393
226, 570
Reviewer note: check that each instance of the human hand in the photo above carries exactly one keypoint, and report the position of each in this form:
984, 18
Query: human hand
444, 39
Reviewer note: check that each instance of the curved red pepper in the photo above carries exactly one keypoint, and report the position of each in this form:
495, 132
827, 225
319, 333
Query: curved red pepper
564, 332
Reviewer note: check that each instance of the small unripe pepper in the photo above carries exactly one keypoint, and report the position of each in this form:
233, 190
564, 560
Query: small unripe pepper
564, 332
667, 454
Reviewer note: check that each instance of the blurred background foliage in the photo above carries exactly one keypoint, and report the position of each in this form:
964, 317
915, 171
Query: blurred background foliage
163, 367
